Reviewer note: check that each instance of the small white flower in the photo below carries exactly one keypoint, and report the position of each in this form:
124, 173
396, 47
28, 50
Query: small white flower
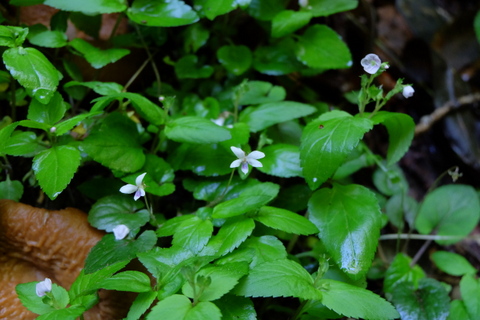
408, 91
43, 287
303, 3
120, 231
371, 63
245, 160
138, 189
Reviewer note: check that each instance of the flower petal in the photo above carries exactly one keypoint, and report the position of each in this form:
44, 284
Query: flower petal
236, 163
139, 179
139, 193
238, 152
245, 167
255, 163
128, 188
43, 287
408, 91
371, 63
255, 155
120, 231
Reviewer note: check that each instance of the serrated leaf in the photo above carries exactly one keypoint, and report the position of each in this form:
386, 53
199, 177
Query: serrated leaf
96, 57
470, 290
289, 21
400, 271
5, 134
70, 313
349, 220
268, 114
322, 48
68, 124
39, 35
450, 210
162, 13
109, 251
236, 59
256, 92
265, 248
55, 167
115, 144
34, 303
232, 233
49, 113
88, 6
196, 130
277, 59
250, 199
362, 303
23, 143
429, 301
452, 263
141, 304
102, 88
283, 161
12, 36
133, 281
285, 220
179, 307
11, 189
321, 8
188, 67
214, 8
33, 71
400, 129
279, 278
326, 143
193, 234
111, 211
235, 308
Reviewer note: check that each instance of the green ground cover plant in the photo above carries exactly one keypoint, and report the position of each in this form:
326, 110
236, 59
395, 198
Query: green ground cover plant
234, 192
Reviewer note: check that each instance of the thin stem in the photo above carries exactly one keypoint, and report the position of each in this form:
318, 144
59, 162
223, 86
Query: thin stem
153, 220
150, 57
13, 102
117, 23
405, 236
136, 74
220, 198
420, 252
299, 310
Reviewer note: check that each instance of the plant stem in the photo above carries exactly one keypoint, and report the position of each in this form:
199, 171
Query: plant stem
220, 198
150, 56
299, 310
429, 237
420, 252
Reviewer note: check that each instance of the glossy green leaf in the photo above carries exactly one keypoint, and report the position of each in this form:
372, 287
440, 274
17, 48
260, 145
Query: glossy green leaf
326, 143
452, 263
390, 181
33, 71
196, 36
55, 167
23, 143
161, 13
235, 308
133, 281
265, 248
268, 114
193, 234
189, 67
109, 251
277, 59
49, 113
88, 6
34, 303
12, 36
102, 88
250, 199
41, 36
279, 278
320, 8
400, 208
141, 304
196, 130
289, 21
400, 271
236, 59
458, 311
5, 134
400, 129
266, 10
285, 220
111, 211
214, 8
429, 301
362, 303
282, 160
115, 144
96, 57
11, 189
203, 160
450, 210
90, 24
322, 48
349, 220
68, 124
470, 290
256, 92
179, 307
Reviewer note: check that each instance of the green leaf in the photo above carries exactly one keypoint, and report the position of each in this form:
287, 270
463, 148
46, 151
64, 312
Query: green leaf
390, 181
450, 210
39, 35
5, 134
33, 71
70, 313
256, 92
322, 8
322, 48
285, 220
133, 281
215, 8
196, 36
283, 160
193, 234
111, 211
96, 57
400, 271
102, 88
349, 220
23, 143
362, 303
268, 114
196, 130
250, 199
326, 143
49, 113
400, 129
235, 308
452, 263
68, 124
266, 10
26, 293
12, 190
55, 167
470, 290
289, 21
141, 304
458, 311
12, 36
236, 59
88, 6
109, 251
115, 144
401, 207
162, 13
222, 279
476, 26
179, 307
265, 248
188, 67
277, 59
279, 278
203, 160
429, 301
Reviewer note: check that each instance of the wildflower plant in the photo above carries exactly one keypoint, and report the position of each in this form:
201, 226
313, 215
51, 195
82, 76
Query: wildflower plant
216, 244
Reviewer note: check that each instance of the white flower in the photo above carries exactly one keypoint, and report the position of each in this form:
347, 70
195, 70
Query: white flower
139, 188
245, 160
303, 3
120, 231
371, 63
408, 91
43, 287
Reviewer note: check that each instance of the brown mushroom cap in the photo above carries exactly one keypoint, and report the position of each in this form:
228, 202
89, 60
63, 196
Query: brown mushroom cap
37, 243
